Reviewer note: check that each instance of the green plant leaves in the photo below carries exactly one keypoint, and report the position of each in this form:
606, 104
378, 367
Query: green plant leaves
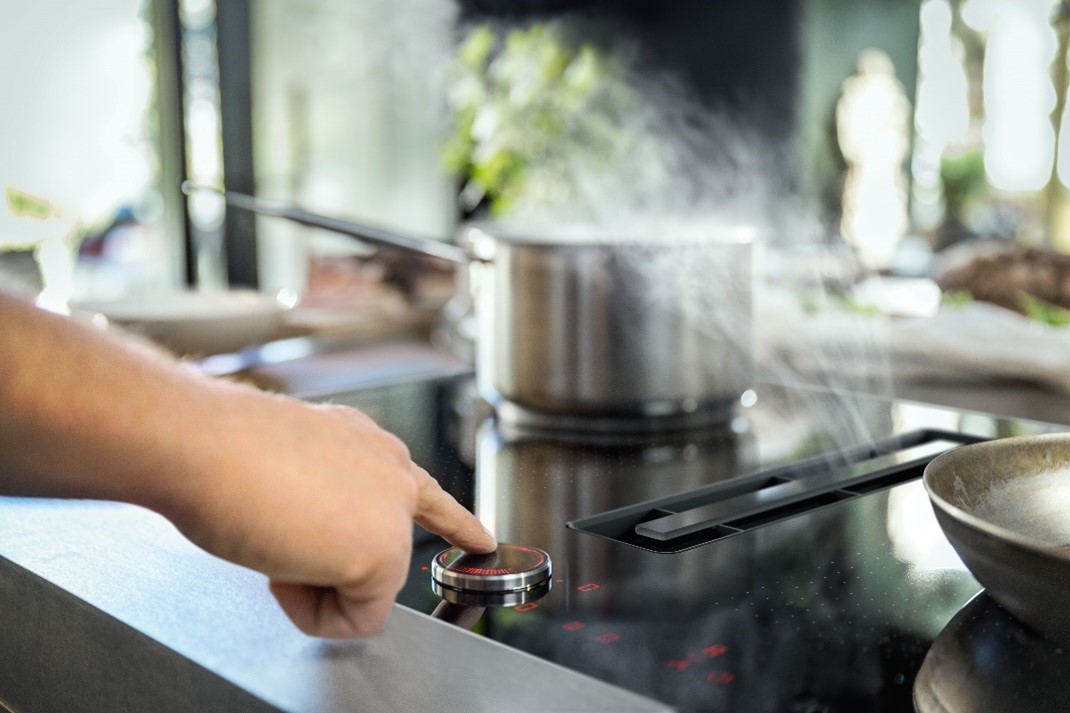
529, 105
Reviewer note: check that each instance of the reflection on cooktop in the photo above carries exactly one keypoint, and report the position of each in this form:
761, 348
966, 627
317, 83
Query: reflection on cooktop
985, 661
833, 609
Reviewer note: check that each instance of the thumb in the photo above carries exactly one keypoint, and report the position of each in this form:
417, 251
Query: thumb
326, 612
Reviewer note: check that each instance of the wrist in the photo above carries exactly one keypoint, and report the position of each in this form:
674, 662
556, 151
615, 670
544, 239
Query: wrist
192, 455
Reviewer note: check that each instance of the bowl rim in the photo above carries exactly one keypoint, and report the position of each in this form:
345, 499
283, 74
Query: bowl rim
975, 522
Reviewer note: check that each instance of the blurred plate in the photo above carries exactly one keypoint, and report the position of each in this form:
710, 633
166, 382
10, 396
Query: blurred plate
196, 323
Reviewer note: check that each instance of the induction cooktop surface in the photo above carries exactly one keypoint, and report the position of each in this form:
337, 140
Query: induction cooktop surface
786, 561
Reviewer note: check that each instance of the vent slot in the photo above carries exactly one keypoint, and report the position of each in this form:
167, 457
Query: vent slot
765, 517
680, 522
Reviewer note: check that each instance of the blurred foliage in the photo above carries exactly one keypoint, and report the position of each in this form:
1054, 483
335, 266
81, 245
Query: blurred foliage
850, 303
56, 222
963, 179
26, 205
830, 299
955, 299
529, 104
1033, 307
1043, 311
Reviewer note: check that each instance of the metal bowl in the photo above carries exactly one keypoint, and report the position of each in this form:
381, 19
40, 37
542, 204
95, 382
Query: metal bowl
1005, 507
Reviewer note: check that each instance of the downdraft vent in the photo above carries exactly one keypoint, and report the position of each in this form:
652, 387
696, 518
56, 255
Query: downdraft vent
686, 520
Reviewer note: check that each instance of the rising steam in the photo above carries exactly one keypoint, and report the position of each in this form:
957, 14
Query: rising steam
651, 163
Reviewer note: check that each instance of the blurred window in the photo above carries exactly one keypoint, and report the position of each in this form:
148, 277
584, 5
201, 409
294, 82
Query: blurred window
348, 117
78, 136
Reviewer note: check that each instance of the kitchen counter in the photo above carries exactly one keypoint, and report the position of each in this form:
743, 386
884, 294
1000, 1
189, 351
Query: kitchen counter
315, 369
1013, 399
106, 607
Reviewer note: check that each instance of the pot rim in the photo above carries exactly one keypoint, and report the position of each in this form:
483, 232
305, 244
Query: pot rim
590, 234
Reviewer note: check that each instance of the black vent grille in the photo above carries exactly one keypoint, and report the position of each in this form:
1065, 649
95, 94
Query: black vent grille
686, 520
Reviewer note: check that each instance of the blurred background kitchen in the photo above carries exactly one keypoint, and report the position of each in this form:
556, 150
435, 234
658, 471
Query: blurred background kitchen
904, 157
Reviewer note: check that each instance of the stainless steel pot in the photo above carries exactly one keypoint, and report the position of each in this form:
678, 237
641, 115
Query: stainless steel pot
592, 328
582, 327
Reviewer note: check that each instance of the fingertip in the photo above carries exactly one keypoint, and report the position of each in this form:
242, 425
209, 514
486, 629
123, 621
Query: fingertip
438, 512
475, 539
483, 545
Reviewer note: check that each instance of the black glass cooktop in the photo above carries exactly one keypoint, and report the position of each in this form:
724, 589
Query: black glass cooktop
788, 561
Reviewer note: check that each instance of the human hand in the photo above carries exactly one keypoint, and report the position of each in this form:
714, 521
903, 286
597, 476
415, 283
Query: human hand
321, 500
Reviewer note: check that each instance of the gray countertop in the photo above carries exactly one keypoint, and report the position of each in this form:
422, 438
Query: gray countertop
106, 607
1013, 399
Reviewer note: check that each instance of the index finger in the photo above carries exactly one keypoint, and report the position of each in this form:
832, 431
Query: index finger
438, 512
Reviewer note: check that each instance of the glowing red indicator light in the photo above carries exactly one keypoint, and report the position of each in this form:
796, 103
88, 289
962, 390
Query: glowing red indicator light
424, 569
608, 638
589, 587
720, 678
481, 570
715, 650
538, 554
528, 606
573, 626
679, 664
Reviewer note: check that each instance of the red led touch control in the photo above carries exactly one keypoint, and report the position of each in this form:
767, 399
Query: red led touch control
510, 568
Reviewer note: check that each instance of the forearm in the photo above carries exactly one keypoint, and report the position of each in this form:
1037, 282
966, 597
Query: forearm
319, 498
83, 414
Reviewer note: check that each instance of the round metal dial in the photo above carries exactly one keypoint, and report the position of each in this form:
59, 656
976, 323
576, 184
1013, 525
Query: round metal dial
508, 569
470, 598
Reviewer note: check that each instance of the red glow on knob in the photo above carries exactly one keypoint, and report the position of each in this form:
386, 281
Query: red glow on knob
573, 626
537, 554
678, 664
720, 678
608, 638
526, 607
588, 587
481, 570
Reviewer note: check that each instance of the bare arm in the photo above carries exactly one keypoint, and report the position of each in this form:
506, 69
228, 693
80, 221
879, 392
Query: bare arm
319, 498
